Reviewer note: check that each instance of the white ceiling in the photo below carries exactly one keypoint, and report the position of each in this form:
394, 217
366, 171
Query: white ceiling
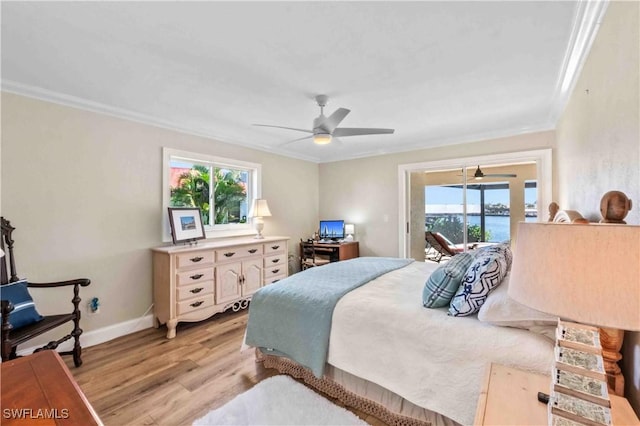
438, 72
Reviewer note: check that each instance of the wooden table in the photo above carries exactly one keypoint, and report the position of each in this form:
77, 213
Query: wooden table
39, 390
510, 397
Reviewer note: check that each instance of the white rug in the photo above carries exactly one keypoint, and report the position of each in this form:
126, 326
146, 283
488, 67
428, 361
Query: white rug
280, 400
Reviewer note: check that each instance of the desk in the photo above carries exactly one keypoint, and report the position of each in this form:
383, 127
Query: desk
39, 389
338, 251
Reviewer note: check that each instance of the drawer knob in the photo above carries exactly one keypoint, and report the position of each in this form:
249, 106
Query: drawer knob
196, 304
275, 271
196, 259
275, 260
230, 253
196, 290
253, 251
196, 276
275, 247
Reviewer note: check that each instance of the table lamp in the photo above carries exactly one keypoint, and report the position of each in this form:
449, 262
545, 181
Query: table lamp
349, 229
259, 209
586, 273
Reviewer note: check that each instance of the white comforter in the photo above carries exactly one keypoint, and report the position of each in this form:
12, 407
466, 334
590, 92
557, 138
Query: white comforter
382, 333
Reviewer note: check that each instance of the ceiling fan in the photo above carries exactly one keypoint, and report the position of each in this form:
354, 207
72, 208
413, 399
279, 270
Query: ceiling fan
325, 129
479, 175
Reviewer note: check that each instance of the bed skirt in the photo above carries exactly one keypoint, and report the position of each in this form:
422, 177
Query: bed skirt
359, 394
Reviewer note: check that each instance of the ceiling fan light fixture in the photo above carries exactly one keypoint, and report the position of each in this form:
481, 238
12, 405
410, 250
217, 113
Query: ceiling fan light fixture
322, 138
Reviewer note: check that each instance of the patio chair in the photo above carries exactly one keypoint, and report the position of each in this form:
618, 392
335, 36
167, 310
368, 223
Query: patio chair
441, 246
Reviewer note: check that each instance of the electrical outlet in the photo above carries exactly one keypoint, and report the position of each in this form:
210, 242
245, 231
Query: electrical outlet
93, 306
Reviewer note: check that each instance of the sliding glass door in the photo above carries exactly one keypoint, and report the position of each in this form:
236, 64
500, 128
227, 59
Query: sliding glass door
471, 208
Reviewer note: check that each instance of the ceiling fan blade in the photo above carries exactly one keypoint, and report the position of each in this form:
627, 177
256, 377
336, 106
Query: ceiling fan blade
283, 127
334, 119
354, 131
509, 175
295, 140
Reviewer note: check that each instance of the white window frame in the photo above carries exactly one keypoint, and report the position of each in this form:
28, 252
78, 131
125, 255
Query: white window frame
211, 231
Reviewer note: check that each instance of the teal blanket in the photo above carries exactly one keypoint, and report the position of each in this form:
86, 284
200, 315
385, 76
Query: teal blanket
293, 316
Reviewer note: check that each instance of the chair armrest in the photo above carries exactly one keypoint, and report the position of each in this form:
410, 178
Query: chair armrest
7, 307
79, 281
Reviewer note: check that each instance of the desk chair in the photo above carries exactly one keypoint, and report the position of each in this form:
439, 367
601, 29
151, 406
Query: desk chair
309, 258
18, 308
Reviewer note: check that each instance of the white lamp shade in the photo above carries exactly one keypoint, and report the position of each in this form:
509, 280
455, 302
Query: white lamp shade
349, 228
260, 208
1, 253
588, 273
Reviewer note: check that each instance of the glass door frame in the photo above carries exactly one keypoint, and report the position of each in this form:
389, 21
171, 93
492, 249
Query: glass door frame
542, 158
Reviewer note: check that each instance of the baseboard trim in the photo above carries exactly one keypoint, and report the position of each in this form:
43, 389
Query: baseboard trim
101, 335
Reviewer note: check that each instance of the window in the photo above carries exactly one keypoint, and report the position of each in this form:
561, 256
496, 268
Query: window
222, 188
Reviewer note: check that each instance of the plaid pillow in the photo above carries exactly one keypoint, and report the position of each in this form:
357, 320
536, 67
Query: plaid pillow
24, 310
444, 281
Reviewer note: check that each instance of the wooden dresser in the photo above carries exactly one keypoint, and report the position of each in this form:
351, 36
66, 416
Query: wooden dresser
192, 283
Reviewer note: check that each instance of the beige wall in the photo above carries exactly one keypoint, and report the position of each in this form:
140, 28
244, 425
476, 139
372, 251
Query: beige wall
599, 139
84, 192
365, 191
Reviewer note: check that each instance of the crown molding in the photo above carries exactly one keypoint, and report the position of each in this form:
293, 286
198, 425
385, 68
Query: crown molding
46, 95
589, 15
453, 140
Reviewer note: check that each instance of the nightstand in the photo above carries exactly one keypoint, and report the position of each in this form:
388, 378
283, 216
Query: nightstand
510, 397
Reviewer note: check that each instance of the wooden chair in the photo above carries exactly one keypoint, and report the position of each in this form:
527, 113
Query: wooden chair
309, 257
441, 246
11, 337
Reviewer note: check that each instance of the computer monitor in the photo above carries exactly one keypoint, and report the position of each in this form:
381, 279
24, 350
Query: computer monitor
332, 229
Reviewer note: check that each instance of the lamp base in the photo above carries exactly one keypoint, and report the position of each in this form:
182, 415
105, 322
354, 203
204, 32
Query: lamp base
258, 223
611, 340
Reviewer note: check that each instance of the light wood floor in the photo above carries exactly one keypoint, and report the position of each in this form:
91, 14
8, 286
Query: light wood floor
145, 379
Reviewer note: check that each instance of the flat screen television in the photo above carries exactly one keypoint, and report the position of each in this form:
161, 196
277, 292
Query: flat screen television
332, 229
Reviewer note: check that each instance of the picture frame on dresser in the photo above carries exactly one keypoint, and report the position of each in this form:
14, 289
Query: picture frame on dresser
186, 224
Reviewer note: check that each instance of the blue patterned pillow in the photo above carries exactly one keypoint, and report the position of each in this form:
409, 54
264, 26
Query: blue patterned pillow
443, 283
503, 249
24, 310
485, 273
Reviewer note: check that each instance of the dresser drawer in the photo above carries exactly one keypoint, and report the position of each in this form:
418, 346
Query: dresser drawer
194, 276
272, 271
274, 278
274, 247
238, 252
195, 290
194, 258
275, 260
195, 303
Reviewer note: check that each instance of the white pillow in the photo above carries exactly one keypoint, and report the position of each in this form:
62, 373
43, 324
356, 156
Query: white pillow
499, 309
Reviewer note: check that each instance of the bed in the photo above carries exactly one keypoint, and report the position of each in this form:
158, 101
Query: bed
391, 357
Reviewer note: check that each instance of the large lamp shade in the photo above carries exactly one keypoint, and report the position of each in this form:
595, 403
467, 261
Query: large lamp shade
588, 273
